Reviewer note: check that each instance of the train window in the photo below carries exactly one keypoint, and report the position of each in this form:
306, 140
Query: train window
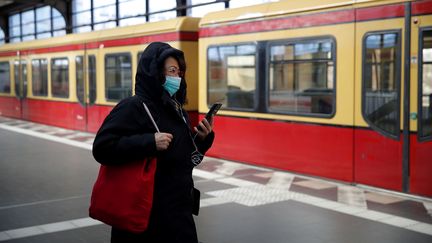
118, 76
302, 77
79, 66
4, 77
232, 76
40, 77
20, 75
425, 86
380, 95
92, 78
91, 70
60, 77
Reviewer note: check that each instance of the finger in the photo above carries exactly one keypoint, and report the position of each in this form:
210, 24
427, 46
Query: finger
167, 139
203, 127
167, 136
205, 122
199, 132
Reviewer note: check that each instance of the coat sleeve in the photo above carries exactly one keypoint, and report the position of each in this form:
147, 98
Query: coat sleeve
124, 136
204, 145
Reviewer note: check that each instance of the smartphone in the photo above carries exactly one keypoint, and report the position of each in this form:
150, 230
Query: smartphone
211, 113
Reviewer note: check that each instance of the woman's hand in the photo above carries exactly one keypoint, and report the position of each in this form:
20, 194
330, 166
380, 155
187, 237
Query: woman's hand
162, 140
206, 128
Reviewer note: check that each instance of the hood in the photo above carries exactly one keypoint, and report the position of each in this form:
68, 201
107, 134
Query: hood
150, 72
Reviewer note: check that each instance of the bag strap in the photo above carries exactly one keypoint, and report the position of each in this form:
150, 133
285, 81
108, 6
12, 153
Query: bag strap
151, 117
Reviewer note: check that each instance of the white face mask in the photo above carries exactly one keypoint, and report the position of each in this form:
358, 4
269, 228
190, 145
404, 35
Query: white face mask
172, 84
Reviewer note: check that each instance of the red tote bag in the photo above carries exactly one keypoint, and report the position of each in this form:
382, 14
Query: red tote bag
123, 195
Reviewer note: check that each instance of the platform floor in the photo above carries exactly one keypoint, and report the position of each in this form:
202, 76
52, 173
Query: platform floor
46, 176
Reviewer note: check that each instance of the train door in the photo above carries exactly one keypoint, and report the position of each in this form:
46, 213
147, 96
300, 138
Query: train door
85, 87
420, 181
379, 137
20, 83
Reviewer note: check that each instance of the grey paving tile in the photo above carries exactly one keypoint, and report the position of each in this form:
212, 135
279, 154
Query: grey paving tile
209, 164
207, 186
408, 208
254, 178
330, 193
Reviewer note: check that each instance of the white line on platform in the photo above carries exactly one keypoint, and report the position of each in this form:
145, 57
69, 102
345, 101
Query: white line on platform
42, 202
47, 228
47, 137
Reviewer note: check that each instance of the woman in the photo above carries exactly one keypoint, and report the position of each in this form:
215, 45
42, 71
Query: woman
127, 134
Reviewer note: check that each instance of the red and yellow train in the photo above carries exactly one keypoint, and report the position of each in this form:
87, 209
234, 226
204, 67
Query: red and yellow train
331, 88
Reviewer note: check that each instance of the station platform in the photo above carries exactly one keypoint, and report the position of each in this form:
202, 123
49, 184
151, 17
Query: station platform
47, 173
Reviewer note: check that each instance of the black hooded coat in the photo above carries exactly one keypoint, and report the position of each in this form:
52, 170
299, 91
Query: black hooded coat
127, 134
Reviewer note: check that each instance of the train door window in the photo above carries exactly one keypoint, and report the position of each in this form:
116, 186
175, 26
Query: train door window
380, 81
232, 76
425, 85
118, 76
91, 78
20, 76
4, 77
17, 78
60, 77
40, 77
79, 66
302, 77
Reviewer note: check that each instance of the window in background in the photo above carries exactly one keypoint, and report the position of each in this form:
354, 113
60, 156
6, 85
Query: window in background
43, 22
28, 25
200, 11
118, 76
232, 76
15, 28
425, 78
82, 87
156, 6
381, 82
36, 24
106, 25
128, 9
40, 77
2, 36
104, 14
60, 77
5, 77
59, 24
20, 76
301, 77
81, 16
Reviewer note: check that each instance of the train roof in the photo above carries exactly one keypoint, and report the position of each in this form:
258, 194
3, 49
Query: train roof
188, 24
275, 9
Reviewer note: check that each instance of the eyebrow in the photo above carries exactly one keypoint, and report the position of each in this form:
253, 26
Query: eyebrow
173, 67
